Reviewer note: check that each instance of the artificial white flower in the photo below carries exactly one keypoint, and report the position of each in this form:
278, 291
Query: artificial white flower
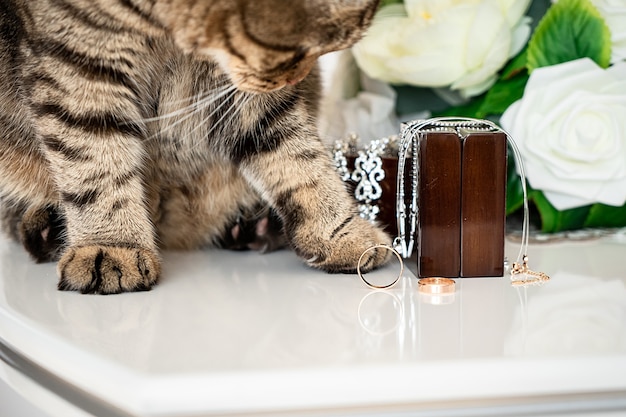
570, 127
441, 43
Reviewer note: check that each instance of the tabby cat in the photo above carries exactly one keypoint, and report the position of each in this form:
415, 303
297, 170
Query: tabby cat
127, 126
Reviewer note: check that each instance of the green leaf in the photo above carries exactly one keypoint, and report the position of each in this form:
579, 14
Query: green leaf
508, 89
553, 220
384, 3
516, 66
503, 94
571, 29
602, 215
514, 191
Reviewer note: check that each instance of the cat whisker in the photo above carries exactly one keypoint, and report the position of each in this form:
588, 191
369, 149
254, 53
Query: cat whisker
194, 108
230, 115
226, 113
237, 104
200, 95
201, 100
207, 118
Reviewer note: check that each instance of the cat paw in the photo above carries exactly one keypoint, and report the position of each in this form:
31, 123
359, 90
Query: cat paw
348, 242
108, 270
264, 234
41, 232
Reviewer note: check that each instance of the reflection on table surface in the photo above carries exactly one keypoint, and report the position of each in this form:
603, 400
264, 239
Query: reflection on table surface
223, 312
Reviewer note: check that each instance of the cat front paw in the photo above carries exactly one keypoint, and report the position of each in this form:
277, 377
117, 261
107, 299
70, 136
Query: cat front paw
108, 270
41, 231
341, 253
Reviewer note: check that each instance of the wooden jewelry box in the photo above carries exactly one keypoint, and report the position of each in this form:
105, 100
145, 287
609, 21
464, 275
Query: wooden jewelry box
461, 204
449, 203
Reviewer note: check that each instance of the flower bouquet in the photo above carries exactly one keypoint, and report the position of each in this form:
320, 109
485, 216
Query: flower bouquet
552, 74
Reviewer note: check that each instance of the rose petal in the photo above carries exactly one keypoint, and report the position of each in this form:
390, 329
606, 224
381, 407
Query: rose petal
513, 9
519, 36
440, 43
569, 127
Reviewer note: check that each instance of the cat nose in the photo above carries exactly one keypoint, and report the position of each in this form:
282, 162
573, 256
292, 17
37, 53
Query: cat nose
295, 78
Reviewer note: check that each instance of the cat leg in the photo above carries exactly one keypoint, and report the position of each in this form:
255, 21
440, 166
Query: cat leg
96, 156
110, 237
296, 175
28, 210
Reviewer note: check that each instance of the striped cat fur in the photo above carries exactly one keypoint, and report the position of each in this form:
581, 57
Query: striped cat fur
130, 126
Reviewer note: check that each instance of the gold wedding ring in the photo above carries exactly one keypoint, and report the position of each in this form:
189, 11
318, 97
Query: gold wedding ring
380, 287
436, 286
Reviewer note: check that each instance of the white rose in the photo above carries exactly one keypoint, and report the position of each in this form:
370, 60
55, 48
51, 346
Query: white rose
441, 43
614, 14
570, 127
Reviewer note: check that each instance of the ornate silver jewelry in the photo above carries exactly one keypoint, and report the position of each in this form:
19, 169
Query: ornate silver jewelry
339, 156
368, 171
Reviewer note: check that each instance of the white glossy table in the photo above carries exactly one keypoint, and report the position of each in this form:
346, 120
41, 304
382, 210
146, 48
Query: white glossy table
248, 334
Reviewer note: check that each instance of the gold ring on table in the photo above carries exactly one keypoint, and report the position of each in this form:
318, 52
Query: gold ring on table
380, 287
436, 285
